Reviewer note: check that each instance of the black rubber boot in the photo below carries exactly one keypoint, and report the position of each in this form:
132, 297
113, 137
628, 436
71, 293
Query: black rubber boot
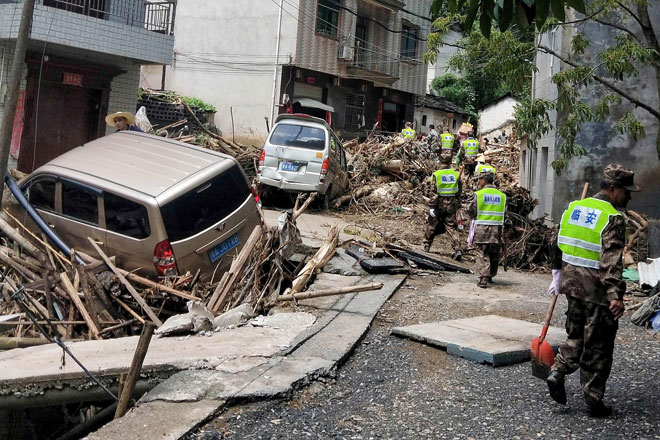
458, 255
483, 282
427, 247
599, 409
556, 387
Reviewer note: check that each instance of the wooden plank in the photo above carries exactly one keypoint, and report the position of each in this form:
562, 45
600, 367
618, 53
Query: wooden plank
73, 294
330, 292
134, 370
129, 310
236, 267
163, 288
128, 285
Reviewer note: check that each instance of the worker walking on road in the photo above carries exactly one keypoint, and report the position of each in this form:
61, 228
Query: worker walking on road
408, 131
442, 214
488, 210
588, 270
468, 154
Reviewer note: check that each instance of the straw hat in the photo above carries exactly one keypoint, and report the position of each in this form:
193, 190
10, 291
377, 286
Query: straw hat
110, 119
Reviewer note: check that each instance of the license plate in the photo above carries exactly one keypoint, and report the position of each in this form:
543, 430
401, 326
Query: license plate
287, 166
220, 249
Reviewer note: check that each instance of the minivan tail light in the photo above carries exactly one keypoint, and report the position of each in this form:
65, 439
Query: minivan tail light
324, 168
255, 194
164, 260
262, 160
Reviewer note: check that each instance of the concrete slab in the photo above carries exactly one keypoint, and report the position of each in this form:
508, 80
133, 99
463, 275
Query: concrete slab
490, 339
369, 303
113, 356
328, 281
167, 421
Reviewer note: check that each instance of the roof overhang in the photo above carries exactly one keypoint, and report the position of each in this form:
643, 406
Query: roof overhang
392, 5
312, 103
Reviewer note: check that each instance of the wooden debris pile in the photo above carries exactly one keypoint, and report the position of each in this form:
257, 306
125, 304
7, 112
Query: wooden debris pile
96, 300
387, 171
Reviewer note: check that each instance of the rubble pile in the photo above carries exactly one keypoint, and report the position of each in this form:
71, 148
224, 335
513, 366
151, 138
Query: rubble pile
78, 296
89, 297
389, 176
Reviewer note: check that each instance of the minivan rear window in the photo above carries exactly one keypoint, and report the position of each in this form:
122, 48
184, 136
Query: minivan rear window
292, 135
206, 205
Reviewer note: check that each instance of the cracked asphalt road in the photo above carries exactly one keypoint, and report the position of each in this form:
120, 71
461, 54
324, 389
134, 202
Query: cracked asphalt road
392, 388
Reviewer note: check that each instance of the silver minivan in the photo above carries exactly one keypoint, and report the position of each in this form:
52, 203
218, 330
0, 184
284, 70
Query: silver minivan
157, 204
303, 154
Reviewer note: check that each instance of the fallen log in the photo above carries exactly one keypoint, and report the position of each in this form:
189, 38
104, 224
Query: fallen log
320, 258
361, 192
12, 233
395, 166
330, 292
9, 343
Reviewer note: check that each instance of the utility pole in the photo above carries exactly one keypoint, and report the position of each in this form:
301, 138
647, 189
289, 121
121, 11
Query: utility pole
277, 64
14, 84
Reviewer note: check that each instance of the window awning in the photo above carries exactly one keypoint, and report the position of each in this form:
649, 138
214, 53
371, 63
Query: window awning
311, 103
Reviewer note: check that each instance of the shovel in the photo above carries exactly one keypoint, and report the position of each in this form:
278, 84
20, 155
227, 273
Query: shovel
543, 356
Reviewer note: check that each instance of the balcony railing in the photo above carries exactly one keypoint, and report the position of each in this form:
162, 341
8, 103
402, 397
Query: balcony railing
157, 16
366, 58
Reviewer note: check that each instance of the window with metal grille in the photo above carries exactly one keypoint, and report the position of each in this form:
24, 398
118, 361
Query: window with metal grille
327, 18
408, 41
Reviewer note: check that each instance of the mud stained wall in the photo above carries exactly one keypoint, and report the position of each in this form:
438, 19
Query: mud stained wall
603, 144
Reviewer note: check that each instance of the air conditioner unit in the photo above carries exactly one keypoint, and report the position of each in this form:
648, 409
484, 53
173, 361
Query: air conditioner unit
346, 52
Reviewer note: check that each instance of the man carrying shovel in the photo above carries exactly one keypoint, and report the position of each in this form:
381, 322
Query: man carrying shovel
591, 239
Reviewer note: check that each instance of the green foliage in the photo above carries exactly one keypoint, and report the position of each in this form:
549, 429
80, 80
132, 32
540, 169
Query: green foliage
196, 102
455, 89
504, 12
509, 56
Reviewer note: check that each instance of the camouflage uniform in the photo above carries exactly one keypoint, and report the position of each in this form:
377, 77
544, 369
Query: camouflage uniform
487, 242
445, 218
432, 138
590, 325
469, 163
448, 155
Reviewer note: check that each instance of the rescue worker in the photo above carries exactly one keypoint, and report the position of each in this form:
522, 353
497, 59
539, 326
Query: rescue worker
442, 213
408, 131
432, 137
588, 270
447, 144
468, 154
487, 209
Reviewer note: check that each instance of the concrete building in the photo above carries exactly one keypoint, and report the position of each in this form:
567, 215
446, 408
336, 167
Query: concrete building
603, 144
497, 116
354, 62
83, 62
441, 65
439, 112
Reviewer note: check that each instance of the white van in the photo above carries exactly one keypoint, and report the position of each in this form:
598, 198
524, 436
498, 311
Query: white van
303, 154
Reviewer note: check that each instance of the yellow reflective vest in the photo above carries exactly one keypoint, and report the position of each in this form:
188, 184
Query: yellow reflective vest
408, 133
446, 141
580, 231
446, 182
491, 204
471, 147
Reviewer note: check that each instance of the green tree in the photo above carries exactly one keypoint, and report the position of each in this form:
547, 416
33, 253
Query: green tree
604, 68
454, 88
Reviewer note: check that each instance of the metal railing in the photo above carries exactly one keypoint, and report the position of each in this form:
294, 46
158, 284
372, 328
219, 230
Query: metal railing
157, 16
368, 59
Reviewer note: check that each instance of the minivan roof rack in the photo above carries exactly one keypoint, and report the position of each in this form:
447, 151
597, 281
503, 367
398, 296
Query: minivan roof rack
302, 117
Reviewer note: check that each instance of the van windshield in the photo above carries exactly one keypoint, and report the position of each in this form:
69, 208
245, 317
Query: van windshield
292, 135
206, 205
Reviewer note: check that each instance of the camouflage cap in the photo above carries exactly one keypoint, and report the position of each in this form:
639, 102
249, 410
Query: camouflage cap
445, 159
618, 175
